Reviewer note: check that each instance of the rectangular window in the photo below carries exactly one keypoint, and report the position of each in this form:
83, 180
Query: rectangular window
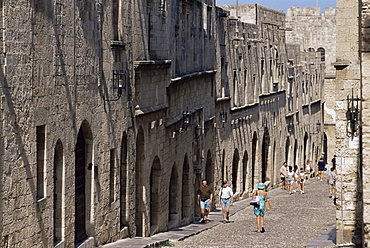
40, 150
111, 175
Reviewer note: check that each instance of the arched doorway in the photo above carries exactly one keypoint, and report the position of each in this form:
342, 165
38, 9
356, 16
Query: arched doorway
305, 140
245, 172
139, 198
224, 168
287, 150
83, 157
123, 182
209, 169
173, 201
295, 153
59, 191
275, 170
155, 200
235, 170
254, 176
186, 192
265, 170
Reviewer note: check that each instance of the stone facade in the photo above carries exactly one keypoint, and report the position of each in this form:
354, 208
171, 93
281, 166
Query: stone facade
316, 31
112, 113
348, 78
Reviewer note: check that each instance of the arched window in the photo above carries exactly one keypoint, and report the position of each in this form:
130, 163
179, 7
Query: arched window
322, 51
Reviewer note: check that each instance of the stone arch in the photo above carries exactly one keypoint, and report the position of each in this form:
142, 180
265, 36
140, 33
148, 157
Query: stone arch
83, 183
123, 182
287, 150
223, 167
245, 172
305, 150
186, 191
155, 200
59, 193
140, 212
265, 170
173, 194
295, 160
314, 158
254, 175
209, 169
325, 148
275, 170
235, 172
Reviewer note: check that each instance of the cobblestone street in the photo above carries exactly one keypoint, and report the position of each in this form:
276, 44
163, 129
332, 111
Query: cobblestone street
296, 220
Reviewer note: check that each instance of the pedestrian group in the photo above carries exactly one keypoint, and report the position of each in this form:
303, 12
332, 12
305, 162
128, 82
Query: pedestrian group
292, 178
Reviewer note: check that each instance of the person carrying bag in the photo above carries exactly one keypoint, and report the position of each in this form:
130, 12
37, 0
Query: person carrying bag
259, 210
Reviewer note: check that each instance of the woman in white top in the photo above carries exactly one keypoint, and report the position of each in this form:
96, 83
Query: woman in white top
225, 199
308, 169
301, 180
290, 179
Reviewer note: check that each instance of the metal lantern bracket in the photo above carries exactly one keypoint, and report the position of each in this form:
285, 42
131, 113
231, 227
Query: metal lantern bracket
118, 83
186, 122
223, 116
353, 116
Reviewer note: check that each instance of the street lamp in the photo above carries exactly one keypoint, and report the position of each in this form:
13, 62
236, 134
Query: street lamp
118, 83
353, 122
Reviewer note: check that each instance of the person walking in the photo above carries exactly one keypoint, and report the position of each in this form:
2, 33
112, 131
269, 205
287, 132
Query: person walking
296, 178
308, 169
283, 171
331, 182
290, 179
205, 196
225, 199
321, 168
334, 162
259, 210
301, 180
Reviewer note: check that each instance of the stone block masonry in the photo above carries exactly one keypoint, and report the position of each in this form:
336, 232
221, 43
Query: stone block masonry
112, 113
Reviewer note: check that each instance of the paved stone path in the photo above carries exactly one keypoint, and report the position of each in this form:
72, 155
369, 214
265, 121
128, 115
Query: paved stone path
297, 220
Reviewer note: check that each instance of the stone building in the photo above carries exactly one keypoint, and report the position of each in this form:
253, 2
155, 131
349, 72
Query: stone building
112, 113
316, 31
351, 93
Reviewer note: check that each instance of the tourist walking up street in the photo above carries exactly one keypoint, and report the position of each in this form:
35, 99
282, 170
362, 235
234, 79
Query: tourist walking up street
205, 196
321, 168
225, 198
302, 180
301, 221
283, 171
290, 179
259, 210
308, 169
331, 182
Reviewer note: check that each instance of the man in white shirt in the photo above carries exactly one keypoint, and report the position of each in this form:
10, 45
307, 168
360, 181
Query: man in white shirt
225, 199
283, 171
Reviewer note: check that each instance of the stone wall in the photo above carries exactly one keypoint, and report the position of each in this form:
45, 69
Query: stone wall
365, 91
112, 113
348, 78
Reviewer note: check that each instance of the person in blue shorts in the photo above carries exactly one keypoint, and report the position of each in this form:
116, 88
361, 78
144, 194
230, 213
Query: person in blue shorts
205, 197
225, 198
259, 210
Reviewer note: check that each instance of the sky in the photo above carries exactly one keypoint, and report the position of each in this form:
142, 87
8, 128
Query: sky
283, 4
